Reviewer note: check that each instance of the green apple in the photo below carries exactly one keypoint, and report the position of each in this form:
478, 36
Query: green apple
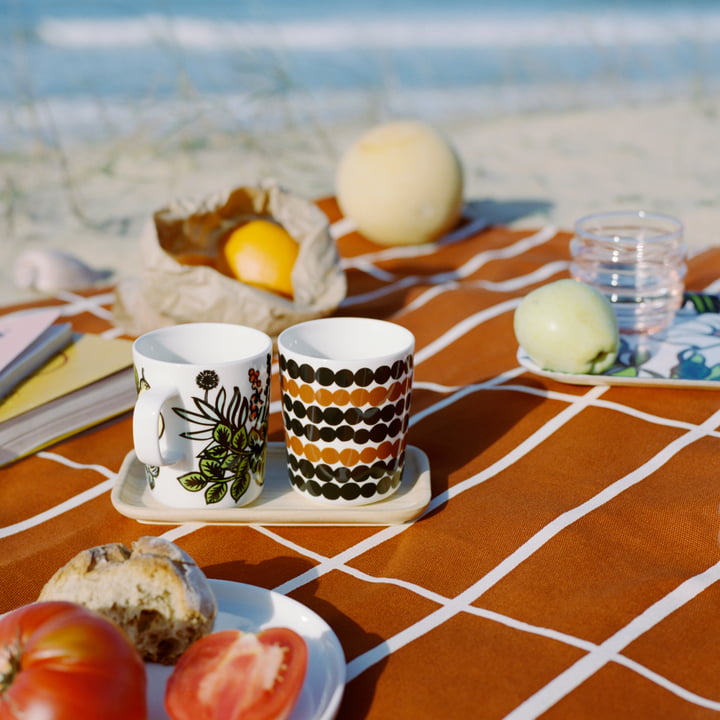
568, 326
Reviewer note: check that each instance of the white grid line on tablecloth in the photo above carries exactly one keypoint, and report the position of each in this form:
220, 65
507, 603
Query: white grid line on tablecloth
181, 530
471, 266
456, 394
588, 646
607, 405
338, 562
381, 536
450, 607
57, 510
379, 652
608, 493
578, 403
516, 283
77, 304
70, 503
589, 664
80, 304
464, 391
344, 227
460, 329
493, 616
475, 263
527, 549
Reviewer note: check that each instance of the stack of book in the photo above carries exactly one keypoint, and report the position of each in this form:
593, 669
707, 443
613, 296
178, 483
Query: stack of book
55, 383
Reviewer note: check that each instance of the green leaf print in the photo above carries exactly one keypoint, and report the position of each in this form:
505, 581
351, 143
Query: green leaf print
234, 430
215, 493
193, 481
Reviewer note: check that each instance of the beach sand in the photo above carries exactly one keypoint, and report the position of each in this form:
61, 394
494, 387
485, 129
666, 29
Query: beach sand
527, 170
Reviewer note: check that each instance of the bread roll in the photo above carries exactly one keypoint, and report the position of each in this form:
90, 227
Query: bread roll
154, 592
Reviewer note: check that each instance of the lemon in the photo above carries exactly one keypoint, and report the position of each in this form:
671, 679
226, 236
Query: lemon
261, 253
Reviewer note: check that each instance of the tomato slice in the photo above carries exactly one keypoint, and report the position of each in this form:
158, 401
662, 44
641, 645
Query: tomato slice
233, 675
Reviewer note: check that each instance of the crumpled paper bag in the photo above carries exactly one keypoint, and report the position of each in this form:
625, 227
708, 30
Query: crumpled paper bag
168, 292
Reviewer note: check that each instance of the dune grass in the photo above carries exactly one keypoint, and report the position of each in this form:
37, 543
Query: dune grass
91, 185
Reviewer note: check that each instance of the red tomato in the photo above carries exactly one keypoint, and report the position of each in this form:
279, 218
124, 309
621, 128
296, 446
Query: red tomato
60, 661
232, 675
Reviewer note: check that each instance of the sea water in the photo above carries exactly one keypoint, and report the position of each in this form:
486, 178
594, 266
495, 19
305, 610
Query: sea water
84, 66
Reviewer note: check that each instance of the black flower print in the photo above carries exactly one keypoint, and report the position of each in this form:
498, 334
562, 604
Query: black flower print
207, 380
235, 428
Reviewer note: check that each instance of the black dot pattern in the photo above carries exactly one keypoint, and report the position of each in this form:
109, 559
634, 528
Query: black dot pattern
346, 378
346, 429
341, 483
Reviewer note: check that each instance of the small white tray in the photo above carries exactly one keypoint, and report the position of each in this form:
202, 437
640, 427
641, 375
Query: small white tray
686, 355
278, 504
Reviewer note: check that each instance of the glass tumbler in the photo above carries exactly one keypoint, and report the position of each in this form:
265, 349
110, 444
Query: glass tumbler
637, 259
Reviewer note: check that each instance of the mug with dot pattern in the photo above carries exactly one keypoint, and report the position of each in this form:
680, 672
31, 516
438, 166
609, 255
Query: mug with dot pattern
346, 384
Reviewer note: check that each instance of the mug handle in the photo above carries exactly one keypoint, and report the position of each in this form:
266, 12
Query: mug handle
146, 419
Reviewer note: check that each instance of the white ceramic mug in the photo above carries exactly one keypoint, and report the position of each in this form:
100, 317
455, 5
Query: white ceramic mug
201, 416
346, 386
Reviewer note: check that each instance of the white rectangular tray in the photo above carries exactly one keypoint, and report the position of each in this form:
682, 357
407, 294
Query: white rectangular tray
686, 355
278, 504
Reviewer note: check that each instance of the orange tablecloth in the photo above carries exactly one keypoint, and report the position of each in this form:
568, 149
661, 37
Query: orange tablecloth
567, 566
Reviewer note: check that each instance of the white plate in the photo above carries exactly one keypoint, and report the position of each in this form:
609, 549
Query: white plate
279, 504
686, 355
251, 608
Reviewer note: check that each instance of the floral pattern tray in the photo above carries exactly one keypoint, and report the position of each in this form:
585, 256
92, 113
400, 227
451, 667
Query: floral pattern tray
278, 504
687, 354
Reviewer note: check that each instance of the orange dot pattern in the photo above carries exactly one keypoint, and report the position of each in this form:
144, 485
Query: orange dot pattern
348, 456
357, 397
346, 430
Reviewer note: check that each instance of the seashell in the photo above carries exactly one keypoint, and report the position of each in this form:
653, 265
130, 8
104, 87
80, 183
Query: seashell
49, 270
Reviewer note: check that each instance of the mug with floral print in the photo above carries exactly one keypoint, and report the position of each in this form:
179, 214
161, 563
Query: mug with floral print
201, 417
346, 384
